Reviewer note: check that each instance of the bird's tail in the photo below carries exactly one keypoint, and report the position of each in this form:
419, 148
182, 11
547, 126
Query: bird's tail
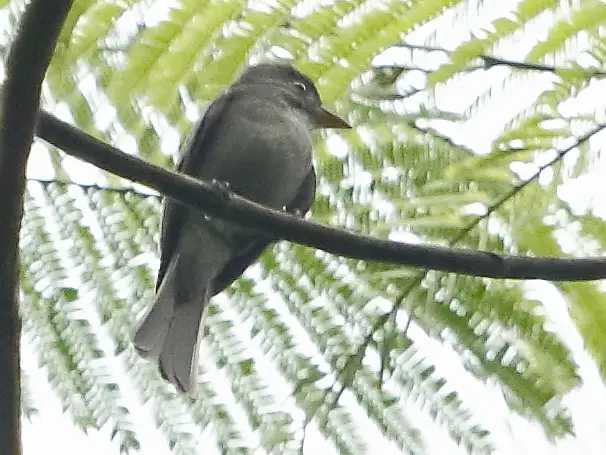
170, 332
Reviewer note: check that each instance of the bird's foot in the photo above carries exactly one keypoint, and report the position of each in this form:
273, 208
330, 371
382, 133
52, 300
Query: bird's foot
296, 212
220, 184
222, 189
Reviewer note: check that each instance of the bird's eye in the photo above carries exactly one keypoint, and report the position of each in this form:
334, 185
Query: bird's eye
300, 85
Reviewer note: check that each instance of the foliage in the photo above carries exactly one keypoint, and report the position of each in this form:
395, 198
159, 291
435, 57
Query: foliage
449, 148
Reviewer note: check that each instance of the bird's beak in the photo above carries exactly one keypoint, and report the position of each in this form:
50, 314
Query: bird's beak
325, 119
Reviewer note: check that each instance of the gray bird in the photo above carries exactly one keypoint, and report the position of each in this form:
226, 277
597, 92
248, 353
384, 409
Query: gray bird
255, 137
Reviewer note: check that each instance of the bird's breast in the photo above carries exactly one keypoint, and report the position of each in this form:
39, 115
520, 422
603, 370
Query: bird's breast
264, 157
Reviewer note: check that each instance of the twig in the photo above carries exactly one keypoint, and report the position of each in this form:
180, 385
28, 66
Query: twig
307, 421
489, 61
94, 187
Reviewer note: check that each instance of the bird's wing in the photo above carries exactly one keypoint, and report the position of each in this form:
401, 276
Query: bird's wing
251, 251
173, 214
190, 161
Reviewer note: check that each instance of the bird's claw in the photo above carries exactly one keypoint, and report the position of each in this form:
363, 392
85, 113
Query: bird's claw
297, 213
221, 187
221, 184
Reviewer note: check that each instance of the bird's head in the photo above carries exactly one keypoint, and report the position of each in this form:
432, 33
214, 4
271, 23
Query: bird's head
296, 89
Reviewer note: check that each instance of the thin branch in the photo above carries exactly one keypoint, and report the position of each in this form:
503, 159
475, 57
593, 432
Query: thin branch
215, 200
422, 47
427, 71
535, 176
94, 187
306, 423
26, 66
490, 61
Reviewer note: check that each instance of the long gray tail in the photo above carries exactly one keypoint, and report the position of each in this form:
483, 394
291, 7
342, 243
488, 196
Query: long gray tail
170, 332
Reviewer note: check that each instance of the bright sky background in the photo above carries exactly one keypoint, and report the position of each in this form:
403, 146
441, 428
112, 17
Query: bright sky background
52, 432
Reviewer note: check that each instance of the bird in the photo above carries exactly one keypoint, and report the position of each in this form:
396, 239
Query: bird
255, 138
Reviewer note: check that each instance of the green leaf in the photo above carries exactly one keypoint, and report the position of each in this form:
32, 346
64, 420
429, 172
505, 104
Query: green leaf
69, 294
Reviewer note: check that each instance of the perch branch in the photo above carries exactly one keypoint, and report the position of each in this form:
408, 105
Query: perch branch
217, 201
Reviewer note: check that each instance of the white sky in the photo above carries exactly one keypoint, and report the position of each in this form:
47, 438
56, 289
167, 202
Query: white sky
52, 432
